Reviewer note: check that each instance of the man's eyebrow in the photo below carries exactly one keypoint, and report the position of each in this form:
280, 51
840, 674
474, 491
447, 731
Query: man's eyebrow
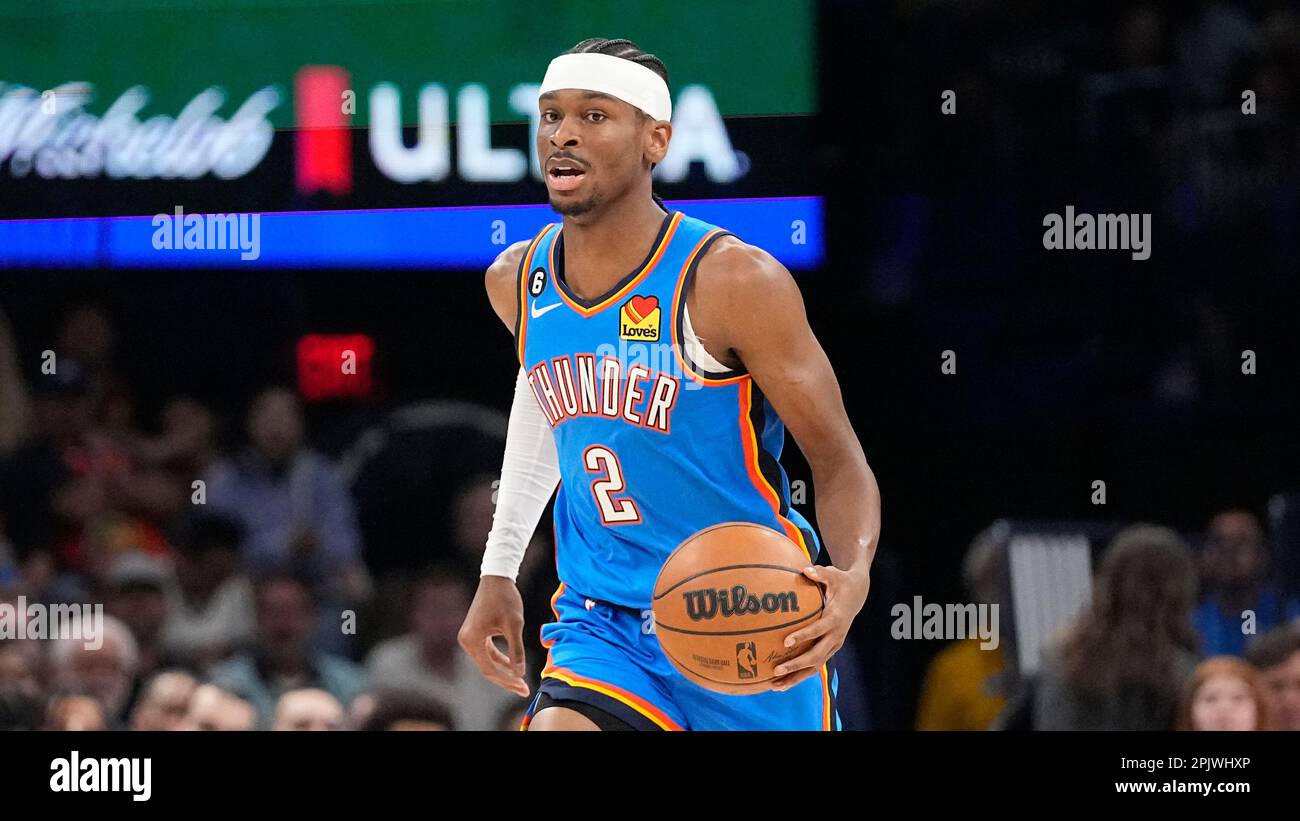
586, 95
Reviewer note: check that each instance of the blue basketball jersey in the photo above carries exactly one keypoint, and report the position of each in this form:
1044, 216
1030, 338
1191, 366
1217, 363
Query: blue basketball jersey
652, 447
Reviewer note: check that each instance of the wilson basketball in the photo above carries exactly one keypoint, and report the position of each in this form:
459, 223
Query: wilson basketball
726, 599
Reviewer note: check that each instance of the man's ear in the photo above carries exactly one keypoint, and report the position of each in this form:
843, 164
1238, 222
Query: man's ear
658, 135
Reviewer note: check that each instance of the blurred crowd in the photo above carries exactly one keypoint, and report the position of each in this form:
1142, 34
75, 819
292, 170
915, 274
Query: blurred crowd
1172, 638
233, 578
237, 593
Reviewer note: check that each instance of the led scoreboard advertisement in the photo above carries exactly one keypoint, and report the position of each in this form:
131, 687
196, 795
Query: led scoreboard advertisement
379, 140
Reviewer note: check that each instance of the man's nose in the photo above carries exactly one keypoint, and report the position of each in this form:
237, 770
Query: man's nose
564, 134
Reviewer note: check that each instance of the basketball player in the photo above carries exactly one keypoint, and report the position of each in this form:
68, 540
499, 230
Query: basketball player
660, 358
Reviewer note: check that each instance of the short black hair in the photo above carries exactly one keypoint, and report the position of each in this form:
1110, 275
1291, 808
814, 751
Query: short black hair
202, 531
627, 50
1275, 647
393, 706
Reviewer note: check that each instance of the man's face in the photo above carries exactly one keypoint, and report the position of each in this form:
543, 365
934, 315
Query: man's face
212, 709
166, 703
1234, 549
285, 619
308, 710
438, 612
592, 148
1282, 684
142, 607
275, 425
102, 673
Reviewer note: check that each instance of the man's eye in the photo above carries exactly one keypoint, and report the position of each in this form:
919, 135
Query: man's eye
596, 116
549, 116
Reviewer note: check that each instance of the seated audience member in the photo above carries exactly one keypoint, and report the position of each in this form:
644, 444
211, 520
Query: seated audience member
1236, 589
960, 690
20, 709
1124, 664
212, 614
164, 702
308, 709
212, 708
398, 710
1276, 654
283, 657
106, 672
1224, 693
75, 713
139, 588
297, 513
20, 666
430, 660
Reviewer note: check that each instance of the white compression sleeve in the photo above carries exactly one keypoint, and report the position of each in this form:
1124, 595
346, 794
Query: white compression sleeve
530, 470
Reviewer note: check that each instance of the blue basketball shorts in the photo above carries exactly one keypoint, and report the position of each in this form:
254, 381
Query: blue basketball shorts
608, 656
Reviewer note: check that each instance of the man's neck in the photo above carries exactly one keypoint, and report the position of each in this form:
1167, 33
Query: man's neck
601, 250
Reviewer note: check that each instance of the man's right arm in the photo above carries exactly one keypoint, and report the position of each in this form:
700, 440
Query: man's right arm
529, 474
502, 283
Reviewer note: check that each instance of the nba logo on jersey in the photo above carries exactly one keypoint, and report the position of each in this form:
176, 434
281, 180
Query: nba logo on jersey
639, 319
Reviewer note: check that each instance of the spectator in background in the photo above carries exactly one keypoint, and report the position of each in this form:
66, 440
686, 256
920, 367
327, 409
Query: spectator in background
76, 713
187, 443
73, 492
20, 666
107, 673
20, 710
308, 709
165, 701
961, 690
138, 590
429, 659
15, 405
212, 613
297, 513
212, 708
1224, 693
1234, 575
1277, 656
398, 710
283, 657
86, 334
1123, 665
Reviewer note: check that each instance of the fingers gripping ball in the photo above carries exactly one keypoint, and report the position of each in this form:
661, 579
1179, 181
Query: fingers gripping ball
726, 599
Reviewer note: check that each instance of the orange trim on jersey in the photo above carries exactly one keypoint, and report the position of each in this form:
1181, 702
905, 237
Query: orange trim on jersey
632, 700
678, 296
523, 291
559, 591
826, 698
635, 281
749, 443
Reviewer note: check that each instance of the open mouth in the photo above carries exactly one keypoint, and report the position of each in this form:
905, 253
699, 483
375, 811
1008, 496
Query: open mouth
565, 177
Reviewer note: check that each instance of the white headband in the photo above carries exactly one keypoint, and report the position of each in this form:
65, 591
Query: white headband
630, 82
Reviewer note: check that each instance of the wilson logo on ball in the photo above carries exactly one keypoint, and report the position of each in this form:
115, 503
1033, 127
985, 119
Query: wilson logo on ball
736, 601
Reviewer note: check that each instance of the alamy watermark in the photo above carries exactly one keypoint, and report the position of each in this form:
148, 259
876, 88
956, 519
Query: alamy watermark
23, 620
179, 231
1106, 232
919, 620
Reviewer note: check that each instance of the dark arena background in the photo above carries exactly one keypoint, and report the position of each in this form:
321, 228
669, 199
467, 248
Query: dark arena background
1024, 397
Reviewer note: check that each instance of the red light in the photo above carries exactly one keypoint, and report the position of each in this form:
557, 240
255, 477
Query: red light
333, 366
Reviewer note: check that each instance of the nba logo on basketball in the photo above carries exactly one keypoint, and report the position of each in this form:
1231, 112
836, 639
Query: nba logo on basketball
746, 660
639, 319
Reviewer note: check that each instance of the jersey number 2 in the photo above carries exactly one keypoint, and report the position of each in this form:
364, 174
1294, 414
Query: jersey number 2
621, 511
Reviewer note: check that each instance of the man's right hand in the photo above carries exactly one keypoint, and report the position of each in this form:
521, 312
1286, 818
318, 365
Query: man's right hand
498, 610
